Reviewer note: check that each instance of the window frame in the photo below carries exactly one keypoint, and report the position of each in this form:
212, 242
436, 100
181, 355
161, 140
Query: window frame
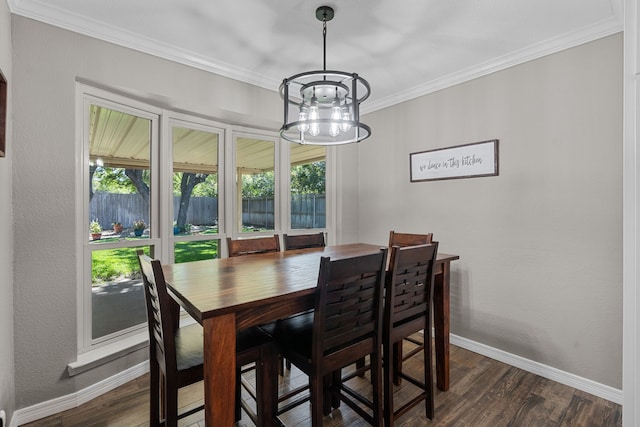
167, 211
161, 240
87, 96
232, 188
329, 189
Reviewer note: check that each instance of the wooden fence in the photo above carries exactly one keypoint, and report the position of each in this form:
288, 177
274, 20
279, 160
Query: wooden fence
307, 210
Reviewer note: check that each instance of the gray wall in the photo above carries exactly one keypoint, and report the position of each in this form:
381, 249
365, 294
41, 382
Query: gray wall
540, 273
7, 388
47, 62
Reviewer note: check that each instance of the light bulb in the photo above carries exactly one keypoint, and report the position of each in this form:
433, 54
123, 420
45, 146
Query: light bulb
346, 117
313, 109
314, 114
334, 128
304, 115
336, 112
314, 129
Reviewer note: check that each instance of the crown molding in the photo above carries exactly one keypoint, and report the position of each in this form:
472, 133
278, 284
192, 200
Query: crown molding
41, 11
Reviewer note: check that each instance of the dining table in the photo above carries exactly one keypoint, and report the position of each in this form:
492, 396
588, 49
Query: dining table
225, 295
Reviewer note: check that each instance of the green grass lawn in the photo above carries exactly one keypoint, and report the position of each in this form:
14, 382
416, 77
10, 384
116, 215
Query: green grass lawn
110, 264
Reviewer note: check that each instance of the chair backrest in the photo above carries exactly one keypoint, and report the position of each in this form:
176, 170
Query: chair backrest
252, 246
348, 305
161, 322
408, 239
303, 241
409, 285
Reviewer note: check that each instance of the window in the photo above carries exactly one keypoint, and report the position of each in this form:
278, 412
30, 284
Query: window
118, 143
308, 186
176, 191
255, 190
196, 201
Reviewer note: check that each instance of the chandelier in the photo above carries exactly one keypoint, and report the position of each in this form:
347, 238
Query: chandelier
326, 103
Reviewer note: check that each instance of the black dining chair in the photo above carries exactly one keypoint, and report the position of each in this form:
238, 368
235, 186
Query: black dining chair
403, 240
407, 310
176, 356
344, 327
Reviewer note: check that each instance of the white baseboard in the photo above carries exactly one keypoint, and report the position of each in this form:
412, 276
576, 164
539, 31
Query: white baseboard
51, 407
566, 378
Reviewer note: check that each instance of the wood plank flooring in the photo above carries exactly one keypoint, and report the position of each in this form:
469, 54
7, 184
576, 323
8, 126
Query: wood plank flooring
483, 392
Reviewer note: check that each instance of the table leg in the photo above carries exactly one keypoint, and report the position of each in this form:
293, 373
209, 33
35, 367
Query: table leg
219, 370
441, 299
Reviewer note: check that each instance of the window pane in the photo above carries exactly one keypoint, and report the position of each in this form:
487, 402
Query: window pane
195, 250
119, 192
308, 190
117, 293
255, 176
195, 181
119, 153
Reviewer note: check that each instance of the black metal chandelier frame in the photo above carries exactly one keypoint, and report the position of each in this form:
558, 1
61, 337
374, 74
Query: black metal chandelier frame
336, 97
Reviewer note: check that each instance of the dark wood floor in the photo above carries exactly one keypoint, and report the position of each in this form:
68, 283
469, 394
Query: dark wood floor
483, 392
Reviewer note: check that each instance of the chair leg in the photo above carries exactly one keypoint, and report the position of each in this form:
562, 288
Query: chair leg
389, 373
336, 384
267, 385
171, 404
326, 394
315, 390
376, 382
360, 364
397, 363
154, 388
428, 375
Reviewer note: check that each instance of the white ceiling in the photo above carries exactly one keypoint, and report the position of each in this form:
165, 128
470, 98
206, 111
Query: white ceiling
404, 48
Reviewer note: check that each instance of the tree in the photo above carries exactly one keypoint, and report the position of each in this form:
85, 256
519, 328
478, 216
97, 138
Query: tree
187, 183
115, 180
258, 185
308, 178
137, 177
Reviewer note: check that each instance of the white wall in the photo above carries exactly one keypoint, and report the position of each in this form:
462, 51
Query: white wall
540, 245
7, 388
47, 62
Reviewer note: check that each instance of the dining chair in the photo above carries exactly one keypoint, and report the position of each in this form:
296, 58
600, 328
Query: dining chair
344, 326
407, 310
403, 240
303, 241
176, 356
256, 245
253, 246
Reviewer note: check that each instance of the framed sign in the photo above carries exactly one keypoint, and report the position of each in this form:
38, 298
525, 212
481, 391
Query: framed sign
461, 161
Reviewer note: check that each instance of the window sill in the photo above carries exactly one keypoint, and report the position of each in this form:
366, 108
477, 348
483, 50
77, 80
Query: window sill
100, 356
105, 354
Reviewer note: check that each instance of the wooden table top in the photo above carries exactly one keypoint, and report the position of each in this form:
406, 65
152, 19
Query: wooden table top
219, 286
